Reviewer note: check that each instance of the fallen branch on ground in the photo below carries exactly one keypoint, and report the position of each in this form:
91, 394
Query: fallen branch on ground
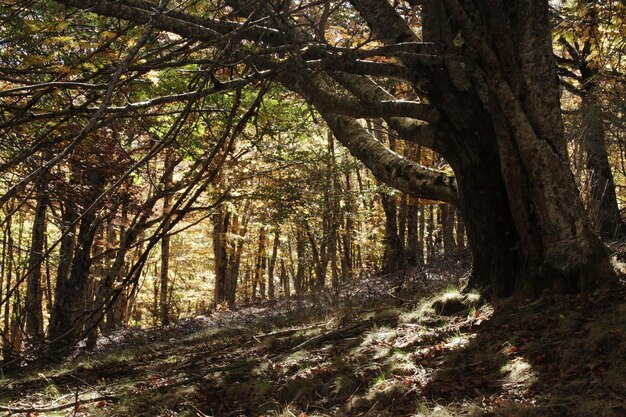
343, 333
286, 332
57, 407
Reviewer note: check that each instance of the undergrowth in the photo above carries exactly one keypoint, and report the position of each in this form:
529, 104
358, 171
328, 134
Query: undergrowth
443, 355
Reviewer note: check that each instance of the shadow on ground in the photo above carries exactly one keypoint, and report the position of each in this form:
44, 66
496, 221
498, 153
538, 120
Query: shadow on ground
391, 357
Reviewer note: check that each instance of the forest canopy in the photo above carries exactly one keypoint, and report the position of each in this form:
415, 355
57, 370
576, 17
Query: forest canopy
161, 158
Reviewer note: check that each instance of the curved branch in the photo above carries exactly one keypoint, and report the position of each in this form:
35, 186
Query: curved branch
388, 166
416, 131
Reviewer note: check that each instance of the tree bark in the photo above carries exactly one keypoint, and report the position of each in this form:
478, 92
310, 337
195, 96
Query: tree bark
301, 261
602, 207
271, 294
260, 266
413, 243
447, 229
165, 242
221, 220
347, 259
69, 314
33, 307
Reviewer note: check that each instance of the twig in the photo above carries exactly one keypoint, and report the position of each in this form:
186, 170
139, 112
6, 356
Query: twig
287, 331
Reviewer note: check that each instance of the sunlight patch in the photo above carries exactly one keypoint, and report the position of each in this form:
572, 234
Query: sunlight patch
518, 372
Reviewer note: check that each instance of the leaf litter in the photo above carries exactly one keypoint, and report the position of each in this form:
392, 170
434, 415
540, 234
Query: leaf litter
393, 355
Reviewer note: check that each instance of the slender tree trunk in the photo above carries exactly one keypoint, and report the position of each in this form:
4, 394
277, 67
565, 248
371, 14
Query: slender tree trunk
165, 241
235, 258
261, 264
272, 263
34, 293
4, 266
447, 229
402, 223
247, 283
459, 230
429, 244
421, 234
284, 279
301, 260
347, 261
7, 346
221, 221
318, 262
69, 314
412, 246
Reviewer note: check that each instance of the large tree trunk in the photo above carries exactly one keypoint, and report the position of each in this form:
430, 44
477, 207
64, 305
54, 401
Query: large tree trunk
533, 233
602, 206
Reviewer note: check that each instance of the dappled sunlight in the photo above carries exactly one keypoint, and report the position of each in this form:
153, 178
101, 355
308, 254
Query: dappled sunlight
519, 377
521, 360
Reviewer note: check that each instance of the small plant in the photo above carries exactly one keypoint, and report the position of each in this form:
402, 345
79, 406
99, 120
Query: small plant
381, 378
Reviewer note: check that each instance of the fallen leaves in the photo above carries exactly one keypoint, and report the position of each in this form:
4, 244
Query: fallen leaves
512, 350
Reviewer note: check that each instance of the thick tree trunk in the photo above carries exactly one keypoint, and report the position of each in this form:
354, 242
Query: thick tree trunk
602, 207
542, 239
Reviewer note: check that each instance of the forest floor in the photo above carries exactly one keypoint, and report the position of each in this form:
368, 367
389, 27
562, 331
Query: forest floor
425, 350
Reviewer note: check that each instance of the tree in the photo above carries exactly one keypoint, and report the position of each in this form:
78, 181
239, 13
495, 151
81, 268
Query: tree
474, 81
586, 49
33, 302
165, 244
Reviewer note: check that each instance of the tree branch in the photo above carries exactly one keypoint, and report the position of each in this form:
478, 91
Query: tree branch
389, 167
